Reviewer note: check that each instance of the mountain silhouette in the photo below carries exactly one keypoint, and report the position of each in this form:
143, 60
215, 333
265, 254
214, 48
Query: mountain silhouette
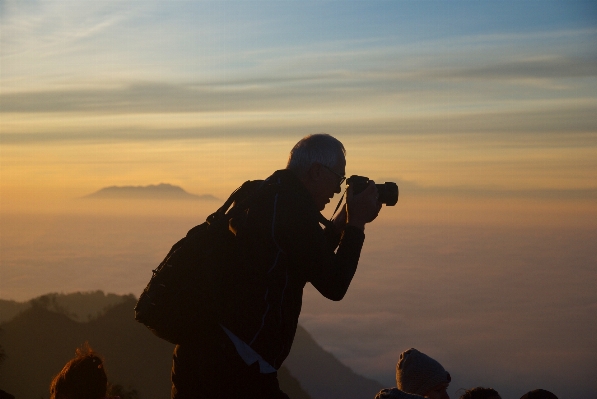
39, 341
42, 338
322, 375
153, 191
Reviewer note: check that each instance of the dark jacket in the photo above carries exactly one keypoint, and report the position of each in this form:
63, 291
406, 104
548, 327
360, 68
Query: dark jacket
282, 247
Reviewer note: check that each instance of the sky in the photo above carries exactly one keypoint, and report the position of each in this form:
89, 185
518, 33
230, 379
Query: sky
484, 113
477, 94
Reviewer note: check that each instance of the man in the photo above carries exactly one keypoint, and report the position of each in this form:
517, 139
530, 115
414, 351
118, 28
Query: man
539, 394
481, 393
282, 246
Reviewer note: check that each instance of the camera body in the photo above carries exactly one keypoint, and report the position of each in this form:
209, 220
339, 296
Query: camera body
387, 192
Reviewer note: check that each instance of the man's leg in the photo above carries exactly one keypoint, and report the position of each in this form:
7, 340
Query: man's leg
215, 370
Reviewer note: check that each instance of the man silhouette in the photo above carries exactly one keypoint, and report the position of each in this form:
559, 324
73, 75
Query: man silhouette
282, 247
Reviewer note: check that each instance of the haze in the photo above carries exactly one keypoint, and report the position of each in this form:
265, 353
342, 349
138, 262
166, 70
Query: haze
484, 113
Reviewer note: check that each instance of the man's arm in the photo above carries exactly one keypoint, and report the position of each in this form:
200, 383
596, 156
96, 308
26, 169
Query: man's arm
298, 234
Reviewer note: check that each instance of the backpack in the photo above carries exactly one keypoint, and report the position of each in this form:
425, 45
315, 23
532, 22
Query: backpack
187, 292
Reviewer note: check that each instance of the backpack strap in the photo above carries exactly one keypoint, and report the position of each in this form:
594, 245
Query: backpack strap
239, 199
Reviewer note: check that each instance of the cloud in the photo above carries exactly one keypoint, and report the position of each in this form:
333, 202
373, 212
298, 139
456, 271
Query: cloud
149, 97
533, 68
338, 76
171, 112
501, 302
55, 28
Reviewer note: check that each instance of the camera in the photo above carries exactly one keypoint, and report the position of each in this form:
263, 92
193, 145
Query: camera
387, 192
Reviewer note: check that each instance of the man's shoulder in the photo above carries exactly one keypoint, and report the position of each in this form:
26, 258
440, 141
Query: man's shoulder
282, 183
291, 191
285, 178
284, 194
395, 393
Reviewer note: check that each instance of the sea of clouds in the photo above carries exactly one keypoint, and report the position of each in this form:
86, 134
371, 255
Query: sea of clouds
503, 306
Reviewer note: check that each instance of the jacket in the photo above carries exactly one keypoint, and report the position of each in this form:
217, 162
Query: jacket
282, 246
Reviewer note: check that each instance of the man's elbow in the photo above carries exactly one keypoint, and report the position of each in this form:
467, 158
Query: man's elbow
336, 295
331, 288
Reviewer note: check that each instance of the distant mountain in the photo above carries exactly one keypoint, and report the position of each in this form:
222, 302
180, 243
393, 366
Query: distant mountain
9, 309
40, 339
159, 191
79, 306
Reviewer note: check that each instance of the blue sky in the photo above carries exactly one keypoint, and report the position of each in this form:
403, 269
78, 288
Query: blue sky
206, 41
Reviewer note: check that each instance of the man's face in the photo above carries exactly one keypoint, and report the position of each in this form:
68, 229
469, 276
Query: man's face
327, 182
438, 392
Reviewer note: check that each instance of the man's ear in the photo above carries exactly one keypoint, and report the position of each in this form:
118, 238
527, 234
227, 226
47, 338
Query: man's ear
314, 172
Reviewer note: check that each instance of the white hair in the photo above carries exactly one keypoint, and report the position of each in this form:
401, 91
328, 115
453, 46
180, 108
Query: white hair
316, 148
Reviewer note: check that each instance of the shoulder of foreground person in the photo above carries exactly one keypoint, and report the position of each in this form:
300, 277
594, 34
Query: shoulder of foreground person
395, 393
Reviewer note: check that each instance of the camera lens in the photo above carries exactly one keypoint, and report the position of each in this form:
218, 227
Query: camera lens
387, 193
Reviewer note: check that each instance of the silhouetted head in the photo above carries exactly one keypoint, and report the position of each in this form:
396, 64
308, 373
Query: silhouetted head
419, 374
539, 394
480, 393
5, 395
319, 162
83, 377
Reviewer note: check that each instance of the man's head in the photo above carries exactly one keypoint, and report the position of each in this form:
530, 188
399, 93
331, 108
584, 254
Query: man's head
480, 393
419, 374
539, 394
319, 162
83, 377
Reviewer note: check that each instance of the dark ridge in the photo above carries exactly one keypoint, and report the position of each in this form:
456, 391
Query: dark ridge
9, 309
78, 306
42, 338
322, 375
153, 191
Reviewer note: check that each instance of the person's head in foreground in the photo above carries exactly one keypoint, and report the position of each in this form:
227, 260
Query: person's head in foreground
480, 393
539, 394
419, 374
83, 377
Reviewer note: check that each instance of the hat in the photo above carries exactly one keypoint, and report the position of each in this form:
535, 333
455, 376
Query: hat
418, 373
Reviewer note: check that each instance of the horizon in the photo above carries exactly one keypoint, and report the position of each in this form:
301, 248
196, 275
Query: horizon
484, 113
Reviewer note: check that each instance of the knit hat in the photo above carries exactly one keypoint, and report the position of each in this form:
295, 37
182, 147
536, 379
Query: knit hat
418, 373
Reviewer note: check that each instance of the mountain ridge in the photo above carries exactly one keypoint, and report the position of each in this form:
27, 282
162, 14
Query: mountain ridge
106, 321
134, 358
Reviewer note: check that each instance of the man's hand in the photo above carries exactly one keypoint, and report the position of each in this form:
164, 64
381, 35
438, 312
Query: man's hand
363, 207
